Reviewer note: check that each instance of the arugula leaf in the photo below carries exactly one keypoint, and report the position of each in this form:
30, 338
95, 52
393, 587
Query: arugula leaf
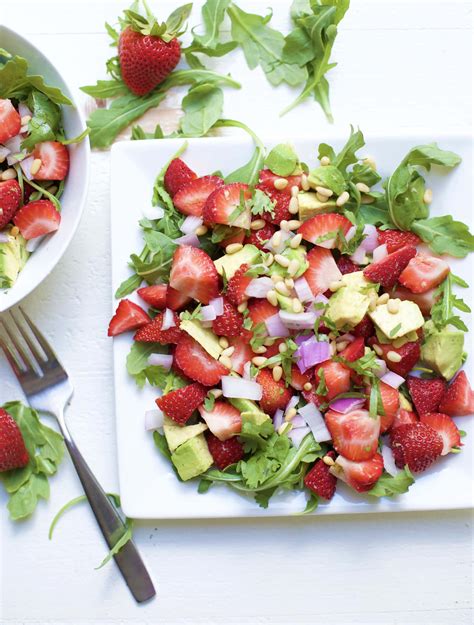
328, 176
202, 107
312, 504
213, 13
442, 310
262, 203
347, 156
106, 89
445, 235
282, 160
248, 173
322, 389
388, 485
376, 213
46, 120
138, 367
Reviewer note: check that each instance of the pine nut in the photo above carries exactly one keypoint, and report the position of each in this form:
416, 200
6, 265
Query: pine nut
272, 297
226, 361
295, 241
257, 224
277, 373
340, 347
283, 261
228, 351
36, 166
372, 305
329, 461
342, 199
282, 288
378, 350
258, 360
269, 341
336, 285
282, 348
290, 283
280, 183
275, 277
9, 174
324, 191
383, 299
362, 187
307, 386
296, 305
233, 248
428, 196
268, 260
216, 392
284, 225
370, 161
325, 161
25, 120
393, 356
276, 239
332, 348
321, 198
293, 267
259, 350
293, 206
223, 342
242, 307
200, 230
294, 224
393, 306
304, 182
294, 190
291, 413
331, 336
15, 231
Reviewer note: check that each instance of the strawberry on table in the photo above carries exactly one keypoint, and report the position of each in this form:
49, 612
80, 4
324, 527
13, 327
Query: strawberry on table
446, 428
424, 273
395, 239
322, 270
154, 295
10, 120
230, 323
54, 157
128, 316
152, 332
37, 218
337, 377
361, 476
191, 196
10, 199
459, 397
177, 175
176, 300
224, 421
318, 227
320, 480
227, 205
237, 286
194, 274
196, 363
416, 444
13, 453
387, 271
275, 395
225, 452
180, 404
426, 393
355, 434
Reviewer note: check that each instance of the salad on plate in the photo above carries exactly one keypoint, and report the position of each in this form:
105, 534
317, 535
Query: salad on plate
301, 323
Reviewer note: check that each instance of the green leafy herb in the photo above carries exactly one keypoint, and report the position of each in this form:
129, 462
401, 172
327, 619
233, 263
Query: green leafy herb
138, 367
105, 89
248, 173
311, 506
445, 235
262, 203
321, 389
209, 402
282, 160
388, 485
442, 311
209, 43
375, 399
202, 107
329, 177
194, 314
394, 330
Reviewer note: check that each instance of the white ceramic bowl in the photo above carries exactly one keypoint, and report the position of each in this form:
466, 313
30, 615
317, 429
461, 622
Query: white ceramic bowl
48, 254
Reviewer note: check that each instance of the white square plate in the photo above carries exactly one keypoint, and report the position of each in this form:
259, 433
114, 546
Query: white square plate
148, 486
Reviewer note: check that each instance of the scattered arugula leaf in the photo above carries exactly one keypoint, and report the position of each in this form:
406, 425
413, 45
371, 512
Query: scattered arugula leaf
445, 235
209, 43
446, 301
202, 107
248, 173
282, 160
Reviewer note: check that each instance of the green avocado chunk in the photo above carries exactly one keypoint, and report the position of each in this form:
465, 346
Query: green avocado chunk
350, 303
298, 254
309, 205
204, 336
394, 325
442, 350
13, 256
192, 458
229, 263
176, 434
249, 410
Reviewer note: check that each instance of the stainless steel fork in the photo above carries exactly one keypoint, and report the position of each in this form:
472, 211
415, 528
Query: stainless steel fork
49, 390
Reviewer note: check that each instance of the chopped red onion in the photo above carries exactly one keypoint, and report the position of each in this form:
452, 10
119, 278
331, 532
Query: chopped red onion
218, 304
279, 248
392, 379
4, 238
25, 165
388, 460
154, 419
312, 352
208, 313
313, 417
259, 287
301, 338
371, 240
33, 244
240, 388
292, 403
161, 360
190, 224
153, 212
278, 419
380, 253
23, 110
381, 367
168, 320
14, 144
275, 326
298, 422
4, 152
188, 239
16, 157
347, 404
359, 256
297, 435
298, 321
303, 290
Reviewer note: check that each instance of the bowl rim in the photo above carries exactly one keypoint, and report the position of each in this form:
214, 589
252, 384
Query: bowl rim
11, 300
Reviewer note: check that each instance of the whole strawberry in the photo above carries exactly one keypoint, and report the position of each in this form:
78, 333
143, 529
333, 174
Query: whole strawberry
13, 453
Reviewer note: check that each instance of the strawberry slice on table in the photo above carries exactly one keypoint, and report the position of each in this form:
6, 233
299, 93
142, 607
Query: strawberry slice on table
13, 453
224, 421
152, 332
345, 265
425, 301
54, 157
424, 273
226, 452
355, 434
320, 480
337, 377
194, 274
390, 403
261, 236
36, 219
242, 353
177, 175
180, 404
426, 394
260, 310
196, 363
191, 197
322, 270
10, 120
227, 205
128, 316
154, 295
360, 476
459, 398
323, 225
237, 286
354, 350
275, 395
446, 428
175, 300
387, 271
403, 417
230, 323
416, 444
396, 239
10, 200
410, 354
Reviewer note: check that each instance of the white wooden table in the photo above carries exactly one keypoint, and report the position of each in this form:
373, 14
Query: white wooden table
401, 64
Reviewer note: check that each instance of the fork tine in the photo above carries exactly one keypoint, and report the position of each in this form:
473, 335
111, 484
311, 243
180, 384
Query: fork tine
21, 352
39, 337
27, 339
13, 361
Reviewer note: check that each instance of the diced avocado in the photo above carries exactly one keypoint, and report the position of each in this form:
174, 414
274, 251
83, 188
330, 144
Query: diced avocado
404, 403
192, 457
347, 307
394, 325
357, 280
327, 176
13, 256
442, 350
256, 418
204, 336
229, 263
309, 205
298, 254
249, 410
176, 434
399, 342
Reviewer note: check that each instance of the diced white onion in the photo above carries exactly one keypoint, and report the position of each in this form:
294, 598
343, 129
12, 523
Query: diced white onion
298, 321
388, 460
188, 239
153, 212
315, 421
190, 224
161, 360
303, 290
218, 304
380, 253
33, 244
208, 313
275, 326
296, 435
25, 165
392, 379
259, 287
240, 388
154, 419
168, 320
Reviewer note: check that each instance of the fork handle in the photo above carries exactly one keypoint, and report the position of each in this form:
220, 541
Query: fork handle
128, 558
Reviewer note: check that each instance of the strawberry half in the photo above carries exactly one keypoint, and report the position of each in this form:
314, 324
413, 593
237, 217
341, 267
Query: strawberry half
237, 286
336, 376
10, 199
180, 404
459, 398
345, 265
425, 301
176, 300
128, 316
426, 394
194, 274
275, 395
223, 420
364, 328
355, 434
396, 239
10, 121
390, 403
13, 453
152, 332
242, 353
191, 197
320, 480
415, 444
424, 273
361, 476
238, 236
320, 226
154, 295
387, 271
266, 180
410, 354
354, 350
226, 452
403, 417
230, 323
196, 363
322, 270
36, 219
227, 205
54, 158
446, 428
261, 236
177, 175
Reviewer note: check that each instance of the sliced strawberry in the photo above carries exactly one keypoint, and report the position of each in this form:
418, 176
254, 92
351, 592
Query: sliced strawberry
320, 480
227, 205
387, 271
261, 236
194, 274
242, 353
426, 394
355, 434
275, 394
390, 403
425, 301
345, 265
238, 236
223, 420
128, 316
354, 350
154, 295
152, 332
322, 270
226, 452
364, 328
10, 200
361, 476
192, 196
230, 323
176, 300
273, 350
415, 444
403, 417
37, 218
410, 354
177, 175
396, 239
180, 404
446, 428
196, 363
459, 398
298, 379
266, 180
318, 227
424, 273
10, 121
337, 377
260, 310
54, 158
237, 286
